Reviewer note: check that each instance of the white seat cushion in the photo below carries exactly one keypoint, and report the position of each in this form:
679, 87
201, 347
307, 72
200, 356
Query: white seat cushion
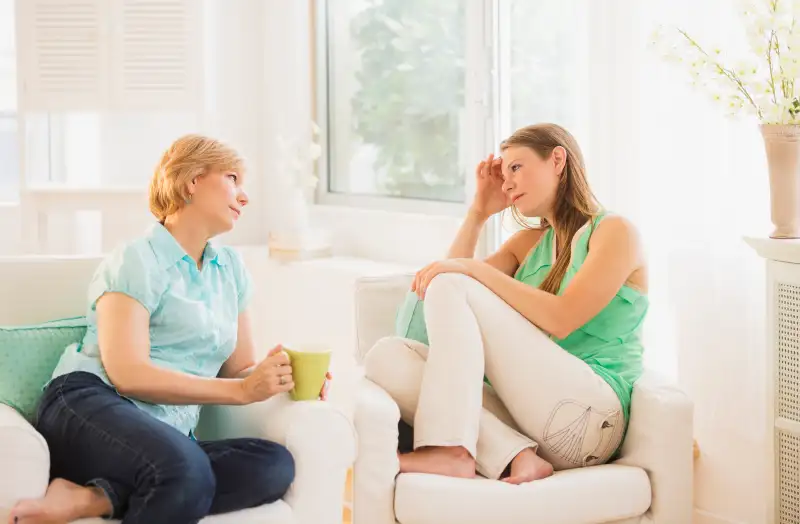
590, 495
276, 513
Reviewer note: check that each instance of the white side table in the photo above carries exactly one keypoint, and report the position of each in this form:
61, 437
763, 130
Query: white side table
783, 380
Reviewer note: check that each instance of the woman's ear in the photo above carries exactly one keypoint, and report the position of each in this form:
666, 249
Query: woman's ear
559, 157
191, 187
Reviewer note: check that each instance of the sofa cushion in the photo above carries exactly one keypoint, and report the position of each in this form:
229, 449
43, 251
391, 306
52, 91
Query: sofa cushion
276, 513
410, 319
605, 493
28, 356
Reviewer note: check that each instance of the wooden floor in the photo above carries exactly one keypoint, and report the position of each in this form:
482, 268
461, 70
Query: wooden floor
347, 515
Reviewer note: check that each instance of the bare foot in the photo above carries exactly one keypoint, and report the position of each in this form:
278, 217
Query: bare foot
448, 461
528, 466
63, 503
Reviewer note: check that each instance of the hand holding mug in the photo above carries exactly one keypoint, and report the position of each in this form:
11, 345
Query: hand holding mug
271, 376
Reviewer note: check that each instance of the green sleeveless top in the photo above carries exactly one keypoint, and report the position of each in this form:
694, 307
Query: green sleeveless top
611, 342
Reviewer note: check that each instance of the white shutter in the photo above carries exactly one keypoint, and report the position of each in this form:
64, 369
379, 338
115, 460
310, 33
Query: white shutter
95, 55
157, 54
62, 59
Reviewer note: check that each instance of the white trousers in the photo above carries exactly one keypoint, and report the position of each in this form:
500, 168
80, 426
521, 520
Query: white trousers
541, 397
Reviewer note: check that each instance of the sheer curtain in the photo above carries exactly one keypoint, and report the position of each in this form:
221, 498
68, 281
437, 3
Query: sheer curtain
695, 182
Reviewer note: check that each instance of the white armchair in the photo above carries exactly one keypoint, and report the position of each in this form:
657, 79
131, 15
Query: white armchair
319, 435
650, 483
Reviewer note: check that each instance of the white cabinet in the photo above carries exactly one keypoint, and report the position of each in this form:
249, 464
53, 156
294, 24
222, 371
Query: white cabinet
783, 380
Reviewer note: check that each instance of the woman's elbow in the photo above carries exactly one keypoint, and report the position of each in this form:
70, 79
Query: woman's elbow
124, 379
562, 331
560, 323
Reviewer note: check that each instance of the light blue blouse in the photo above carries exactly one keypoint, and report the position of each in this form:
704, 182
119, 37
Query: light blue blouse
193, 313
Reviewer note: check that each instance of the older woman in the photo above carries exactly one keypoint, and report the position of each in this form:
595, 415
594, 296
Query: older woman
168, 331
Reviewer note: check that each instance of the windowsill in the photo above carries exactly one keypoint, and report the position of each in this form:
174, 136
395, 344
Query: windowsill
380, 203
386, 236
72, 189
345, 265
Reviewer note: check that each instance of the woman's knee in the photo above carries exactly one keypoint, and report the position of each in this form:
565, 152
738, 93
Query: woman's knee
275, 470
382, 361
187, 479
447, 284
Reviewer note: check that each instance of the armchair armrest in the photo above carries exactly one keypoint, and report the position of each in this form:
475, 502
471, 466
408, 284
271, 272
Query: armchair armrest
660, 441
376, 419
25, 459
319, 436
377, 300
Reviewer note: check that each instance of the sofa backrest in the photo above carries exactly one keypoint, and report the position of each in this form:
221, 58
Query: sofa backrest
35, 289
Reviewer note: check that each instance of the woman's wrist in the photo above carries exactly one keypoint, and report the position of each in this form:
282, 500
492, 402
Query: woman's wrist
240, 393
477, 214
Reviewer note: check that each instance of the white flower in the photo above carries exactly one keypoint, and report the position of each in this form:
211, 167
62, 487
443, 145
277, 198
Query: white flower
297, 158
314, 151
762, 82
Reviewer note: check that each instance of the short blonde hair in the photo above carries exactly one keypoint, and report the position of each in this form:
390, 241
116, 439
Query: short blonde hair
188, 157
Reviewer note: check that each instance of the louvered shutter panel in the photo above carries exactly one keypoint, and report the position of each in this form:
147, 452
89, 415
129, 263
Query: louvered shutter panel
158, 54
96, 55
61, 54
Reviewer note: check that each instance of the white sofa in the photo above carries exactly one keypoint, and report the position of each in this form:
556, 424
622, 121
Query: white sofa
320, 436
650, 483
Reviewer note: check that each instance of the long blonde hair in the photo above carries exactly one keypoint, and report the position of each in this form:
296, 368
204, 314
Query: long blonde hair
575, 204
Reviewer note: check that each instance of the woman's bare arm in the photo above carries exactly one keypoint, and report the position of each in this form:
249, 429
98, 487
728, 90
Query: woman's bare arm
614, 254
466, 240
243, 359
123, 330
512, 253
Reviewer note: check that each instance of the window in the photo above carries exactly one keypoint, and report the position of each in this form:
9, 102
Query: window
9, 145
415, 92
401, 117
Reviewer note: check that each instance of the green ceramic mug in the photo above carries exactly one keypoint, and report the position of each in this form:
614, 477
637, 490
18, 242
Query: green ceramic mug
309, 366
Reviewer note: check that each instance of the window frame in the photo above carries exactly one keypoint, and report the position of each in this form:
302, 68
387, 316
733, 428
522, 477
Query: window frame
479, 103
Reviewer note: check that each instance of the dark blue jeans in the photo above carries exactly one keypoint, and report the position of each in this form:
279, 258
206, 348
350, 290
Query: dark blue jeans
150, 471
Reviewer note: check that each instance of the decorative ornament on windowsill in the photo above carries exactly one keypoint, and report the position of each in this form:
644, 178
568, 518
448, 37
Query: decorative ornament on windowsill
292, 235
761, 84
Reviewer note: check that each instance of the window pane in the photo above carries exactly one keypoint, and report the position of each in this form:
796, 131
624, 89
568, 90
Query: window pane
548, 74
396, 79
9, 146
8, 60
9, 152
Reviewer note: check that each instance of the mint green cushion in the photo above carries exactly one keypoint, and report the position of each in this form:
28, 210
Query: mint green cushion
410, 319
28, 356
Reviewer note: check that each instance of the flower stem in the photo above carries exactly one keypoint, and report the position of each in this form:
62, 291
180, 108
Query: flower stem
772, 41
730, 75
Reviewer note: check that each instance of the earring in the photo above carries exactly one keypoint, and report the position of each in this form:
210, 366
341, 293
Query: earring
188, 200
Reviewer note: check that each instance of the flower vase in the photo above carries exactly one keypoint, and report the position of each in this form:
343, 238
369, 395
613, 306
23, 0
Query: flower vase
782, 144
293, 237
